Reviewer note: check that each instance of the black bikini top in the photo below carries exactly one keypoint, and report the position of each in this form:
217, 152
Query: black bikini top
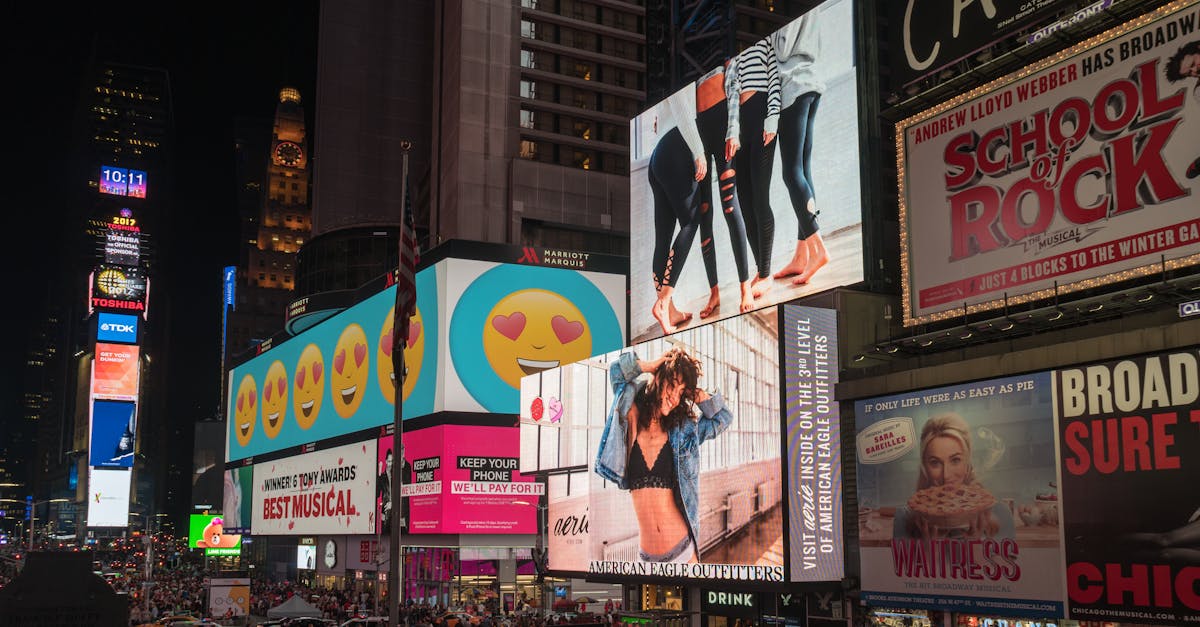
661, 475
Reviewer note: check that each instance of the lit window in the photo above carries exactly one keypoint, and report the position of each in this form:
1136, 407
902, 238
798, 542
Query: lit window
526, 118
528, 149
528, 29
528, 89
528, 60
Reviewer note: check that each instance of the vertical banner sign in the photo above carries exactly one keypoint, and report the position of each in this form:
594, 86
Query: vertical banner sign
814, 443
958, 504
1079, 170
229, 282
1130, 450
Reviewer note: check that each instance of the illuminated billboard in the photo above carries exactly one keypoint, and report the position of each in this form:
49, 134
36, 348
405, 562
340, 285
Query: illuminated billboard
958, 498
789, 202
108, 497
464, 479
114, 327
237, 499
207, 531
306, 557
115, 371
814, 460
119, 287
328, 491
692, 494
122, 181
113, 432
480, 326
1074, 172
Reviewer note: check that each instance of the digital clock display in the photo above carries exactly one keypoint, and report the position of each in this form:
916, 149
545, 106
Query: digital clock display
122, 181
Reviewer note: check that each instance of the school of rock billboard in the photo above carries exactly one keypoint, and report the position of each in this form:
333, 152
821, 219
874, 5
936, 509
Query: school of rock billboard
1073, 172
330, 491
1059, 493
781, 218
719, 456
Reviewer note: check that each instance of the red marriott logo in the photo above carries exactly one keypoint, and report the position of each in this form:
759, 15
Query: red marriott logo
529, 255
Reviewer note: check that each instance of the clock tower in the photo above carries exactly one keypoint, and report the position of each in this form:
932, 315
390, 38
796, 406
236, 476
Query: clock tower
267, 269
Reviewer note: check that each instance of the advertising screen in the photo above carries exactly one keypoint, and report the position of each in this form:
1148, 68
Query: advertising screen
207, 531
1074, 172
814, 460
229, 596
118, 287
306, 557
569, 540
114, 180
390, 463
700, 484
789, 202
330, 491
115, 371
238, 499
122, 246
336, 377
480, 327
113, 327
1128, 433
108, 497
137, 184
113, 433
958, 498
464, 479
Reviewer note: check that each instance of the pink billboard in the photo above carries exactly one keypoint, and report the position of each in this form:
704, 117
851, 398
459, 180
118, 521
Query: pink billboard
465, 480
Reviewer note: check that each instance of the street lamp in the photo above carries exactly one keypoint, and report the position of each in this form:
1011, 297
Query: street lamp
32, 506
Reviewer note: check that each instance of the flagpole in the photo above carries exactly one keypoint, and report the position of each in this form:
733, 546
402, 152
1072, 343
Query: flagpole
396, 552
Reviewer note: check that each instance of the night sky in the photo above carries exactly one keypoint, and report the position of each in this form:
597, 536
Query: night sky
224, 60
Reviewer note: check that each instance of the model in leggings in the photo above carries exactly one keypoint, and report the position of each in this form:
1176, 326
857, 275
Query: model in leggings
797, 47
676, 166
754, 119
712, 115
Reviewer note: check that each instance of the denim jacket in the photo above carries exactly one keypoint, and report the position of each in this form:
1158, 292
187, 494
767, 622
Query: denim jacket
685, 439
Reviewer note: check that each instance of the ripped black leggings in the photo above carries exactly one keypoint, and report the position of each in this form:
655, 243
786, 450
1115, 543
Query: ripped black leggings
672, 175
754, 163
795, 157
712, 124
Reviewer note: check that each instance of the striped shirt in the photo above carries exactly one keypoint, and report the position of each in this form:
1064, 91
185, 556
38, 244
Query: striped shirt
755, 69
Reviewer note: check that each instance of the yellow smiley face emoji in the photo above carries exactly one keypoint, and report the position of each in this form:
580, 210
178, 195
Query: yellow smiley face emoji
348, 379
310, 386
414, 351
245, 410
274, 399
533, 330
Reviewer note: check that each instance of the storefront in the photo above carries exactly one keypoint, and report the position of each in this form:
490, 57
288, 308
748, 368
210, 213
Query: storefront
728, 609
648, 597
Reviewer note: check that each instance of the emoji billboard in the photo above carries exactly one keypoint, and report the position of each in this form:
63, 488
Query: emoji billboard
480, 326
335, 378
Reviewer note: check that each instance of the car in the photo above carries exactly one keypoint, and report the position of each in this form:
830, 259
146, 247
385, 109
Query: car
455, 619
369, 621
173, 620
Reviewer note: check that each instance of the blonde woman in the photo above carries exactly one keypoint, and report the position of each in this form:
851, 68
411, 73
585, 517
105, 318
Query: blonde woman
946, 460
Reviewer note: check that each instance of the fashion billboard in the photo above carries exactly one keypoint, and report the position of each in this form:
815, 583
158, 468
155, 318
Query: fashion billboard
679, 443
115, 371
1129, 431
770, 143
465, 480
814, 433
331, 491
929, 36
480, 326
108, 497
1076, 171
207, 532
958, 498
237, 499
391, 464
113, 432
335, 378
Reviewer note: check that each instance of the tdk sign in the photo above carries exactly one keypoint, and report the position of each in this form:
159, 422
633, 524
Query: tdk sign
113, 327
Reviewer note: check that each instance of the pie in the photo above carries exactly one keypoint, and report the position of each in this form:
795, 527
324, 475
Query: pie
950, 505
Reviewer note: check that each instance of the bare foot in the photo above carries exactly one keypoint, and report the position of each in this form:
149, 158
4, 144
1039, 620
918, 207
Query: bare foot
760, 285
714, 303
815, 262
661, 311
679, 318
797, 264
747, 298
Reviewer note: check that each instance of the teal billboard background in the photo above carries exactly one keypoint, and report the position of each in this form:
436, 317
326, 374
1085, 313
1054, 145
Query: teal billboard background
329, 380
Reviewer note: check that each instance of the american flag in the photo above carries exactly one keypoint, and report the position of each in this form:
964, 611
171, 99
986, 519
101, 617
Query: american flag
406, 276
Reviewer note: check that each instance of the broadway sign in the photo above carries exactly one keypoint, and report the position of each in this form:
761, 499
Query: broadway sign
1077, 171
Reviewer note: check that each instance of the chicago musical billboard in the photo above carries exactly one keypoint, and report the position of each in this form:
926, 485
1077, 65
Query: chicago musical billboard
1074, 172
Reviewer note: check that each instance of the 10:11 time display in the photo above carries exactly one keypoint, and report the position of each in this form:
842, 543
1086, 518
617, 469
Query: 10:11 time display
122, 181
